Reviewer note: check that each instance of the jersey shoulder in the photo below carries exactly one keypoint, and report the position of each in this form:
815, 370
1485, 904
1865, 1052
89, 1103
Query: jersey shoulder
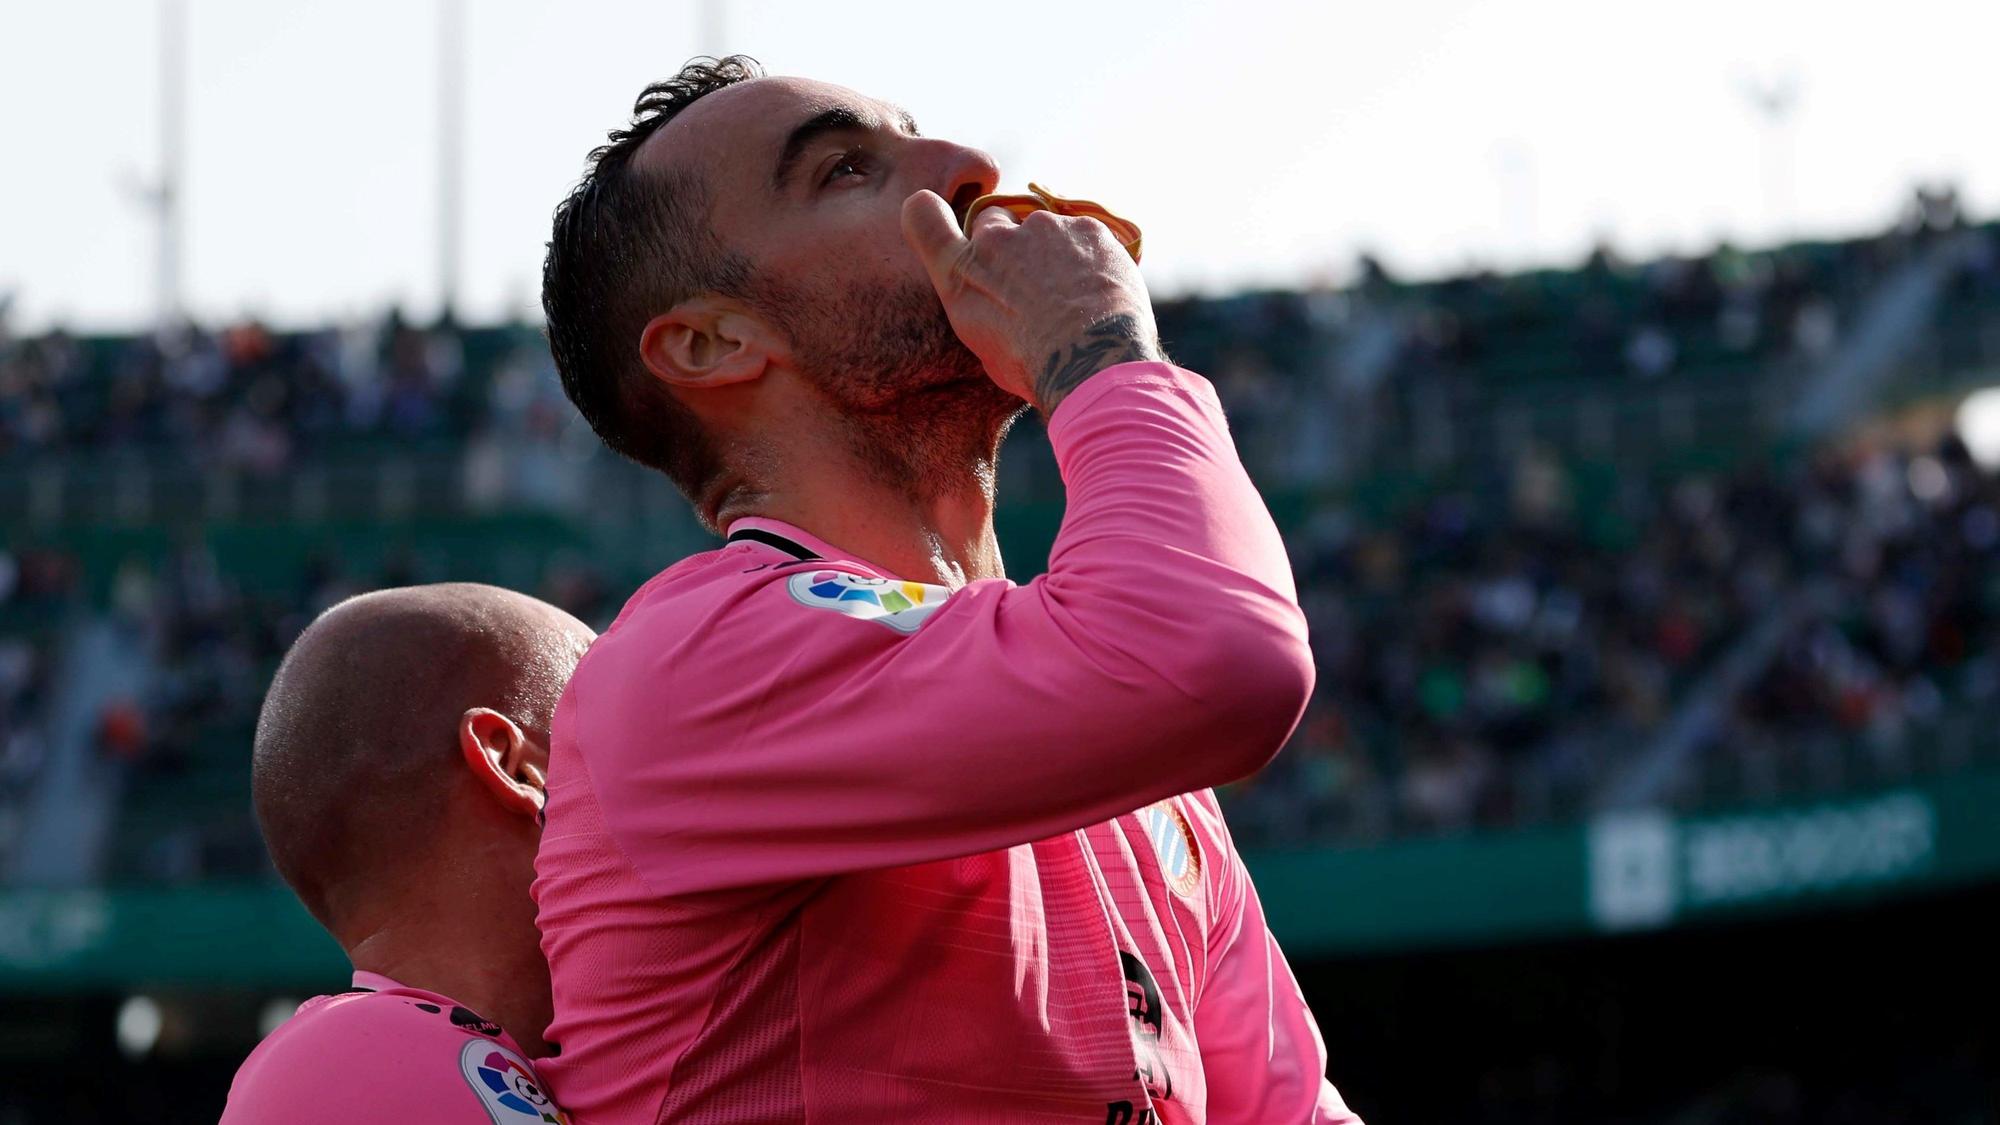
724, 609
389, 1055
743, 583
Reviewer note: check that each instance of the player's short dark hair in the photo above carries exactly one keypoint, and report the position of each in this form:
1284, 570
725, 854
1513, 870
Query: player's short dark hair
628, 244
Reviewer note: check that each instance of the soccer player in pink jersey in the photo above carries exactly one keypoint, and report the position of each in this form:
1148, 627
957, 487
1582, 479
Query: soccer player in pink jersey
844, 827
399, 779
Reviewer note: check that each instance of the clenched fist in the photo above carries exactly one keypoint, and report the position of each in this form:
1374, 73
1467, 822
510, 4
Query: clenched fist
1045, 302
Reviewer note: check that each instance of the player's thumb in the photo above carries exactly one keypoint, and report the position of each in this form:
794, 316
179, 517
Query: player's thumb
931, 231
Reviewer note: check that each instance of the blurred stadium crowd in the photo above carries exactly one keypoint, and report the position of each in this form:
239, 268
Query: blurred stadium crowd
1509, 622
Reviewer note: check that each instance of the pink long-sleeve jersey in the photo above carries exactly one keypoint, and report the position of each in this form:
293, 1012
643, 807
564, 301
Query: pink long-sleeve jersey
386, 1052
826, 846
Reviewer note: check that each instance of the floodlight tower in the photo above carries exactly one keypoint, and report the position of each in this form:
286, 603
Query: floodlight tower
165, 196
451, 153
1774, 103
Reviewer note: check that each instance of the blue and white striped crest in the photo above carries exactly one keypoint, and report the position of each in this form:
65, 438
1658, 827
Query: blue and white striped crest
1173, 842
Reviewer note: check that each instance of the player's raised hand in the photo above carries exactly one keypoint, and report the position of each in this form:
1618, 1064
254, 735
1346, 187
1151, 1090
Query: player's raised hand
1044, 302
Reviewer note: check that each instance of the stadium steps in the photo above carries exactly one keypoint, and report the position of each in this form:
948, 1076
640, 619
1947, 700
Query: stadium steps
1891, 324
70, 817
1649, 778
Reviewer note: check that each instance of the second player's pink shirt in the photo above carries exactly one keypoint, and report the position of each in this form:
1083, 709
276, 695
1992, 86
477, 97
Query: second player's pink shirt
826, 846
383, 1051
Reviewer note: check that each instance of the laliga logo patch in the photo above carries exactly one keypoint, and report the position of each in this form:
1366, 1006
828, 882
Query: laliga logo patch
506, 1086
1173, 842
901, 606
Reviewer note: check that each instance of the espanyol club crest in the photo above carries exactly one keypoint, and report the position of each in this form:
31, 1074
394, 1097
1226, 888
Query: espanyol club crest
1173, 842
506, 1086
901, 606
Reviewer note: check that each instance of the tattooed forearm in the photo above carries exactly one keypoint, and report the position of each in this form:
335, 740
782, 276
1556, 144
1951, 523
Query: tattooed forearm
1116, 339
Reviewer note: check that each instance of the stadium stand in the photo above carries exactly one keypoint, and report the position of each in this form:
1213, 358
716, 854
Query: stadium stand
1688, 537
1503, 635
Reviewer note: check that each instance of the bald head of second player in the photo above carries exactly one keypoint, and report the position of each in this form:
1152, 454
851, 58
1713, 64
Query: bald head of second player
399, 774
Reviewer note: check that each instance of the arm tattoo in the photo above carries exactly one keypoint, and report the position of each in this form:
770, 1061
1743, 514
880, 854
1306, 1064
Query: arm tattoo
1115, 339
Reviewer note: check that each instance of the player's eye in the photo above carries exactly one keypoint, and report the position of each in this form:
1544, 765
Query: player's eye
853, 162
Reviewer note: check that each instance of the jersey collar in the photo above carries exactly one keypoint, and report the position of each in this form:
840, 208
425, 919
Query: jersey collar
792, 541
376, 982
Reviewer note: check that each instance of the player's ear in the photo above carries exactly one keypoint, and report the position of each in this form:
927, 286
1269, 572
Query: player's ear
504, 759
707, 342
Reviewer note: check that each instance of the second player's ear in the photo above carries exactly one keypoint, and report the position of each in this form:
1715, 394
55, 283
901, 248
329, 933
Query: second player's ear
706, 342
504, 759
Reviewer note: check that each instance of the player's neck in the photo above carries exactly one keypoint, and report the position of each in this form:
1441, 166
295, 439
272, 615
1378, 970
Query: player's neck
506, 982
946, 539
916, 500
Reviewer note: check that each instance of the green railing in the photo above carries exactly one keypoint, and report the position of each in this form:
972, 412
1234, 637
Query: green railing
1619, 873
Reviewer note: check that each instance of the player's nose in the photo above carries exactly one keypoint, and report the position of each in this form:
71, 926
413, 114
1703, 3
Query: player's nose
959, 173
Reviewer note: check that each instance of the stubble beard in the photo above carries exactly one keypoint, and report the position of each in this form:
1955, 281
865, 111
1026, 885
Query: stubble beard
915, 404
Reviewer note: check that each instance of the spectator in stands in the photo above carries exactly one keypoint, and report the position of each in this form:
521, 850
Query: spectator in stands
1489, 652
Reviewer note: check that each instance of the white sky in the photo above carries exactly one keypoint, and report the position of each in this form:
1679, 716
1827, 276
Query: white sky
1254, 141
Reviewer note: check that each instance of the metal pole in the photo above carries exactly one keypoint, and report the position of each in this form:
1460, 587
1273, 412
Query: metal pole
451, 152
1774, 104
167, 197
